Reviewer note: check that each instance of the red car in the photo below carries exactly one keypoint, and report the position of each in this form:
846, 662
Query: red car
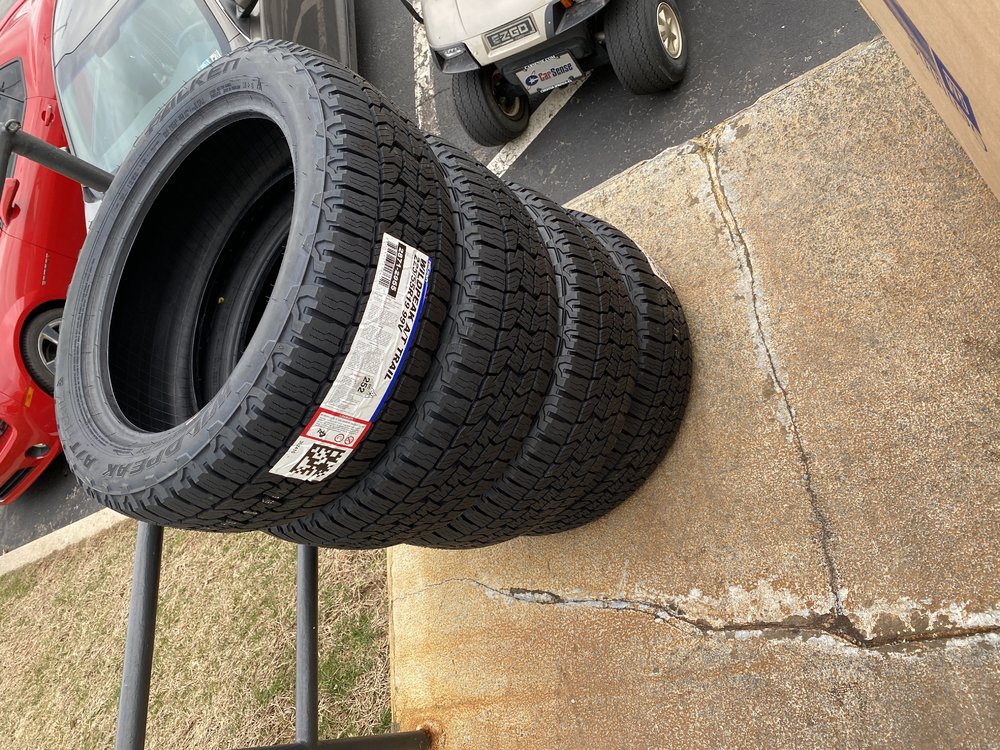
42, 228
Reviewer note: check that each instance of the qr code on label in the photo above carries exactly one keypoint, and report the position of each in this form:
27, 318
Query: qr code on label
318, 462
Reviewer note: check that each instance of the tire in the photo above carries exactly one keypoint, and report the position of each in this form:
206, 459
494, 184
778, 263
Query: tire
146, 427
642, 60
567, 451
39, 344
235, 299
487, 106
488, 379
661, 388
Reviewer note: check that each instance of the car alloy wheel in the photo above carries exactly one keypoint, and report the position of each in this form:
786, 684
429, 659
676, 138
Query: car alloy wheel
39, 343
47, 344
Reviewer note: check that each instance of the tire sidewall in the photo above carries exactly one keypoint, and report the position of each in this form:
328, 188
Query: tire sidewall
94, 430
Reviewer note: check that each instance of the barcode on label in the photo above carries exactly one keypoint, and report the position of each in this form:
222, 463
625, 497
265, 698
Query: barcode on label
364, 384
391, 252
392, 267
319, 462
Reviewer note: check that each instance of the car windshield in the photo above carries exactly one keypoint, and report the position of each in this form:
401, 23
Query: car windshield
119, 61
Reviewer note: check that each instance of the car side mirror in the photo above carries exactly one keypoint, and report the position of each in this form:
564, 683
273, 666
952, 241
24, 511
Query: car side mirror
245, 7
238, 9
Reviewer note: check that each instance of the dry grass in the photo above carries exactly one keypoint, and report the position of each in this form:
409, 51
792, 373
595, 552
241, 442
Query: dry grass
224, 664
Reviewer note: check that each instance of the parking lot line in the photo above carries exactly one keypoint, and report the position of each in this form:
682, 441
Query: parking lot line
423, 91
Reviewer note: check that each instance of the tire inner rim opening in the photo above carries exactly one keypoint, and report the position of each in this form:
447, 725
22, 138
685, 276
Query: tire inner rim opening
198, 279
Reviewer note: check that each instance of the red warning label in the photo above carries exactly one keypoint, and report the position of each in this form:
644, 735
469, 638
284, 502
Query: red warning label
336, 429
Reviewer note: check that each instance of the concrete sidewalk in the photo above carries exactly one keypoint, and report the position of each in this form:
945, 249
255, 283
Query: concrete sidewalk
815, 563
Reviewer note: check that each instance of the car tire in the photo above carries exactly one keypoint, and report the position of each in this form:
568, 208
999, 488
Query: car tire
489, 109
647, 44
39, 345
233, 302
142, 424
489, 377
662, 383
566, 453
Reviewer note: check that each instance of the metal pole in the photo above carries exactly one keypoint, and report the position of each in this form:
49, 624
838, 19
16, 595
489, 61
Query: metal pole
307, 649
6, 150
399, 741
133, 706
55, 159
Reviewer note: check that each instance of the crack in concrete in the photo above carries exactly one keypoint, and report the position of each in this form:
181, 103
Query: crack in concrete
428, 587
791, 627
708, 151
671, 612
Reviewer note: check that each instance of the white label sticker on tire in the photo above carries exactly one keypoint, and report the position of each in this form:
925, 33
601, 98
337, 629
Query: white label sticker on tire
372, 365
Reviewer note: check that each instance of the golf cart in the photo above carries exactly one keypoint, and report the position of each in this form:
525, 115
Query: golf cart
503, 51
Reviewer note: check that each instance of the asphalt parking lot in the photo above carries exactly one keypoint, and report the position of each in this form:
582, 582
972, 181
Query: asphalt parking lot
738, 52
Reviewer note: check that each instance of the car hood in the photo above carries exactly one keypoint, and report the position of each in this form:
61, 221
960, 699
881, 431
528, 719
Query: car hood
450, 21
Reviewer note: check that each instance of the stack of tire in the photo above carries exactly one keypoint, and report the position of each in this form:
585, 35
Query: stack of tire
297, 313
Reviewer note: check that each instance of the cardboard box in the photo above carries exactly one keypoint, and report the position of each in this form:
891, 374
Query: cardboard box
952, 47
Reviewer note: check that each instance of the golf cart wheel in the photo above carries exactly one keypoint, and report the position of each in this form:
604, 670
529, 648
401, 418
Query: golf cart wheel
39, 342
647, 44
492, 110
